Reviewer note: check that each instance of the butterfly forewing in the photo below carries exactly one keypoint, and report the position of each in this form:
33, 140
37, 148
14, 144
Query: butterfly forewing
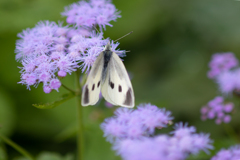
117, 87
91, 90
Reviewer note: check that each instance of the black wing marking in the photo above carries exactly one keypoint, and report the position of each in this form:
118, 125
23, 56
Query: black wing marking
117, 88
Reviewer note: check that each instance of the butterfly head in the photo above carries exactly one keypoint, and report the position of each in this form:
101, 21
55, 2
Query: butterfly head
108, 46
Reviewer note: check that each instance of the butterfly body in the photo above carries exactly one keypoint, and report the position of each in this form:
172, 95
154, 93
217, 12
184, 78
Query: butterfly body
109, 76
107, 56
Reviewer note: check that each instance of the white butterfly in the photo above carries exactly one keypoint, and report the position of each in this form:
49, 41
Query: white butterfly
109, 75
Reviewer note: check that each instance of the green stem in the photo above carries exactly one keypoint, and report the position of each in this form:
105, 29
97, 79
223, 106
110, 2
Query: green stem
69, 89
80, 140
230, 131
17, 147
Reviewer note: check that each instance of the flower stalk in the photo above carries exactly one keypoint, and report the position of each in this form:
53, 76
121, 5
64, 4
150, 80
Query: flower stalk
17, 147
69, 89
80, 136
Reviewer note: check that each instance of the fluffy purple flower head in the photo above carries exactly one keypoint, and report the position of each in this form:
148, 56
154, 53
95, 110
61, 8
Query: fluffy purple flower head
201, 142
112, 128
136, 123
92, 13
163, 146
87, 49
187, 140
226, 82
229, 81
182, 130
221, 62
40, 40
48, 51
146, 148
42, 52
217, 109
233, 153
153, 117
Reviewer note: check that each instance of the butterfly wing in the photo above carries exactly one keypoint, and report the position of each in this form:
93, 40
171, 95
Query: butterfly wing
117, 88
91, 90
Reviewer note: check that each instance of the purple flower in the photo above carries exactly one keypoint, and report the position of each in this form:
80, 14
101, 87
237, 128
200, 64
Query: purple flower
112, 128
216, 108
163, 146
201, 142
92, 13
49, 51
182, 130
233, 153
147, 148
136, 123
123, 115
227, 82
221, 62
47, 89
87, 49
132, 134
153, 117
226, 73
42, 52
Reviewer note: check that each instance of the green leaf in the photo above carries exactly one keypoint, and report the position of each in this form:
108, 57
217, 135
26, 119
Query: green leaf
50, 105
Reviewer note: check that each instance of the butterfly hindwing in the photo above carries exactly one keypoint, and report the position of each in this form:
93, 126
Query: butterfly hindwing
91, 90
117, 87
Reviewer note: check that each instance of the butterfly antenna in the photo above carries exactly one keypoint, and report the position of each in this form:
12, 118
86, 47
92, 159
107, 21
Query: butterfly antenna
123, 36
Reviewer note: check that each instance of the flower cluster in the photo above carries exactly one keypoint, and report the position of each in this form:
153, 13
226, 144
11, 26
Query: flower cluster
229, 81
133, 131
223, 69
42, 52
221, 62
49, 50
92, 13
232, 153
86, 49
225, 72
184, 142
216, 108
128, 123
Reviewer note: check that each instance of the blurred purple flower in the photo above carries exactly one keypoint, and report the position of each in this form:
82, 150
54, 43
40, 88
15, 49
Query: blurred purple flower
164, 146
92, 13
182, 130
216, 108
229, 81
135, 123
152, 117
226, 82
233, 153
221, 62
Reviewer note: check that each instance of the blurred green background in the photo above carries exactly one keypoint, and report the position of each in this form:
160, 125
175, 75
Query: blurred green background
171, 45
